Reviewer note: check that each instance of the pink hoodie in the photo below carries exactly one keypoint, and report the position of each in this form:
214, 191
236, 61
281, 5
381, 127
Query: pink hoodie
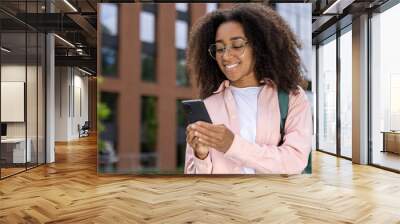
264, 156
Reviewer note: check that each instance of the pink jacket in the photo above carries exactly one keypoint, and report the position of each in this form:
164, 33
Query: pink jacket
264, 156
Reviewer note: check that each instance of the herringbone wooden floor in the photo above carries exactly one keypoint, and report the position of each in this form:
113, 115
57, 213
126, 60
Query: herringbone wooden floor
70, 191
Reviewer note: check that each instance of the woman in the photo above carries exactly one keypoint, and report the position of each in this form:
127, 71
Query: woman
241, 57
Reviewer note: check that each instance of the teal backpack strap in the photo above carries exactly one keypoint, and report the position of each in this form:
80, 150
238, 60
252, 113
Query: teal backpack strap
283, 98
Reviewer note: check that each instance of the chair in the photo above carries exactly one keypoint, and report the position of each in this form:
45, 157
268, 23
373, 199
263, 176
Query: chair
84, 130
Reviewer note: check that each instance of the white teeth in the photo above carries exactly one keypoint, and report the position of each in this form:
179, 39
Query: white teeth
231, 66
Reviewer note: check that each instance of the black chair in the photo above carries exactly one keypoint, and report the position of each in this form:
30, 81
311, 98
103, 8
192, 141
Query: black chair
84, 130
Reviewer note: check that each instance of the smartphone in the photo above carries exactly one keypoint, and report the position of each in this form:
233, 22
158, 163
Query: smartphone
195, 110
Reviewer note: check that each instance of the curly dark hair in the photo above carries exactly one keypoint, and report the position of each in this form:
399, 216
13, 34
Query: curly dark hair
273, 43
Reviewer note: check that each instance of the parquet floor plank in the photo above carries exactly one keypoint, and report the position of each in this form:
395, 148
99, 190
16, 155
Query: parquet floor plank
70, 191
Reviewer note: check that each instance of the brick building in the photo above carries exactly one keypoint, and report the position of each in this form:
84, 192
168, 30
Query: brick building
144, 78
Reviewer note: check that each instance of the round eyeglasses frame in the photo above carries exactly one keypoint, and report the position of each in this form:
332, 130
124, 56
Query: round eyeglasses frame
227, 49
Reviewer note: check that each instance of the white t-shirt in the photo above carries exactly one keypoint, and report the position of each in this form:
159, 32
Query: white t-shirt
246, 105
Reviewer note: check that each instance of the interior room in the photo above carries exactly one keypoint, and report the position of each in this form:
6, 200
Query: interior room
93, 129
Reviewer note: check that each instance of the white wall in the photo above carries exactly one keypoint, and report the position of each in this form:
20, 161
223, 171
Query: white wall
13, 73
61, 103
80, 110
71, 94
16, 73
33, 126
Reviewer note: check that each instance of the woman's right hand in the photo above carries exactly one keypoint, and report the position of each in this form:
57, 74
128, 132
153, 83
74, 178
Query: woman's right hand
200, 150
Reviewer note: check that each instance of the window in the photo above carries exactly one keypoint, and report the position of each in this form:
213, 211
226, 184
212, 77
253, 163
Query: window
182, 7
147, 38
327, 96
180, 136
385, 88
212, 7
149, 126
346, 93
22, 82
109, 45
181, 39
16, 73
108, 143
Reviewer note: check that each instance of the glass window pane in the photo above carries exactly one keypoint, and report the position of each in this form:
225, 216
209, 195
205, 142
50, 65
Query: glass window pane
15, 151
147, 37
180, 137
108, 144
149, 126
147, 27
109, 61
385, 114
181, 38
327, 96
183, 7
298, 17
148, 62
109, 18
346, 94
31, 101
212, 6
181, 34
182, 78
109, 38
22, 91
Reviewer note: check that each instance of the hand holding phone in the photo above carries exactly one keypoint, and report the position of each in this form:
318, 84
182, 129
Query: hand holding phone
195, 110
200, 151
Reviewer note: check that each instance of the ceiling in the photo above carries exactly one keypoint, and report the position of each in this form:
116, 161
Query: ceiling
74, 21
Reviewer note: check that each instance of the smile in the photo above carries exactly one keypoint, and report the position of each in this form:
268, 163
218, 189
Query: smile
231, 66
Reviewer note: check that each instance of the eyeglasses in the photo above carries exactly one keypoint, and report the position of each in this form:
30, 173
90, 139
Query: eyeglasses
236, 49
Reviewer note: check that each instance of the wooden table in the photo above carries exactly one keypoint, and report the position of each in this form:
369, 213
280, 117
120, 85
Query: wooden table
391, 141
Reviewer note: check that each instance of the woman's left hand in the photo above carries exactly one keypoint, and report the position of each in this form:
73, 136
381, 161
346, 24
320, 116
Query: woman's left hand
216, 136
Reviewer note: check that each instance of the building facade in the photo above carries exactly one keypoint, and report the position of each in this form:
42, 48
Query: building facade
143, 81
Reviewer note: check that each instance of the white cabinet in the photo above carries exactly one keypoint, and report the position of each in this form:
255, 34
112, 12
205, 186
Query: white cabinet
18, 149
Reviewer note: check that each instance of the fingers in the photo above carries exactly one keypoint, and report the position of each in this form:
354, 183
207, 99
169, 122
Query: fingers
194, 130
191, 139
208, 143
205, 139
190, 136
189, 128
211, 133
206, 131
206, 134
201, 125
211, 129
